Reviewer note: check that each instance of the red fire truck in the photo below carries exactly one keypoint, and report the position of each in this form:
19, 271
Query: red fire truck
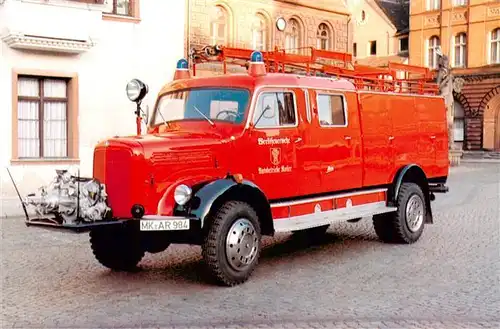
294, 144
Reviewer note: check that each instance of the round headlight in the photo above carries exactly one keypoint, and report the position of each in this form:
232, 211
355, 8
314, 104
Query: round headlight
182, 194
136, 90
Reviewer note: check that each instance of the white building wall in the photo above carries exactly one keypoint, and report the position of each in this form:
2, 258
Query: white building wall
147, 50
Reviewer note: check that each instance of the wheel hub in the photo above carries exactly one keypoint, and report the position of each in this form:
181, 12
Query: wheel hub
241, 244
414, 213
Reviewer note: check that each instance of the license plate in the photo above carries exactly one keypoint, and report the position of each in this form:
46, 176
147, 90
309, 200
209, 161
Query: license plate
165, 225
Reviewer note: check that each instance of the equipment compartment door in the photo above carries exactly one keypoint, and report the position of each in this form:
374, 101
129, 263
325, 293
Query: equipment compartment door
335, 129
270, 157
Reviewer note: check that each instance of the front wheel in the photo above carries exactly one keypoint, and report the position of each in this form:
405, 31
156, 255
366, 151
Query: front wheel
232, 245
117, 248
407, 223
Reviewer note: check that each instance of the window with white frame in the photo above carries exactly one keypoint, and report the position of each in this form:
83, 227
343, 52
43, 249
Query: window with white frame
331, 110
495, 47
458, 122
219, 27
433, 4
275, 109
460, 50
42, 118
458, 3
432, 56
259, 33
292, 38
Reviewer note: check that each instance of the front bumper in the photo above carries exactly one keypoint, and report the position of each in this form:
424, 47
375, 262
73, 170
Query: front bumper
179, 229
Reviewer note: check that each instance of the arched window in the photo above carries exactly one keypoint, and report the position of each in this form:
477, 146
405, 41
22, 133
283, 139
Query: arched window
323, 37
292, 38
219, 26
460, 50
259, 33
433, 56
495, 47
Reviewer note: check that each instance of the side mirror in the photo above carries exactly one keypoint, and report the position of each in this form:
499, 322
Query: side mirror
136, 90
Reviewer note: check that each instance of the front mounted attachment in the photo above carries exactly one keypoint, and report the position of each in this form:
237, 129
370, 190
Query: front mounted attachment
68, 202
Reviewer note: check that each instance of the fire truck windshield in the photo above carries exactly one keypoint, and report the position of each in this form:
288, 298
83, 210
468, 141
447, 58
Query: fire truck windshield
214, 104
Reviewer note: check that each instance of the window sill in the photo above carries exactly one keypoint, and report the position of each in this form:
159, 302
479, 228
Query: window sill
44, 161
120, 18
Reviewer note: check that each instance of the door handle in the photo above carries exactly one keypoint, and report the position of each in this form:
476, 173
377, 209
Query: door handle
298, 140
391, 138
347, 138
433, 137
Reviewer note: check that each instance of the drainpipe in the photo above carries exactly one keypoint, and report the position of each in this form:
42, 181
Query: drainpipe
388, 40
349, 42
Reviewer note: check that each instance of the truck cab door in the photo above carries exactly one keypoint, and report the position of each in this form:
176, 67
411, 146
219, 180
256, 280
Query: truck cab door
270, 155
335, 129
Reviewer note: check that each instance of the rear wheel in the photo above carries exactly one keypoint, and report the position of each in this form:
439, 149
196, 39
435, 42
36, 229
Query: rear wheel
232, 245
117, 248
407, 223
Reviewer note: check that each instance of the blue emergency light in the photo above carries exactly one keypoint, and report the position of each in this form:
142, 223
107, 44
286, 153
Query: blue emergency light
182, 64
256, 57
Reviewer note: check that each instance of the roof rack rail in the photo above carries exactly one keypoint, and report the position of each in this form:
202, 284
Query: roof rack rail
399, 78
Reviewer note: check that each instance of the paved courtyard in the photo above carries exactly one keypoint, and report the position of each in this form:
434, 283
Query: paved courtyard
449, 279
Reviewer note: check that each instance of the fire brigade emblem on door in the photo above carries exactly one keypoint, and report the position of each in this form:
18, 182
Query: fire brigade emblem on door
275, 155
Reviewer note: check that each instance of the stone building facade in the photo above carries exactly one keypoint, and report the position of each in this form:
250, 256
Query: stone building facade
253, 24
380, 31
468, 32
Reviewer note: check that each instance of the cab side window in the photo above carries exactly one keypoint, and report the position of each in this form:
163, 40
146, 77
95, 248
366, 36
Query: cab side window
331, 110
275, 109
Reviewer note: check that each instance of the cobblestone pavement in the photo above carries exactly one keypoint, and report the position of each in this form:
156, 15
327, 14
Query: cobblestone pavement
449, 279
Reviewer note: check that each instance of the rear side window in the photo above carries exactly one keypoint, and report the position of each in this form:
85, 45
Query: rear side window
275, 109
331, 110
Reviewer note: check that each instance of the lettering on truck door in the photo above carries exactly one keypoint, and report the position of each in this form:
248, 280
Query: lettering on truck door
335, 128
271, 156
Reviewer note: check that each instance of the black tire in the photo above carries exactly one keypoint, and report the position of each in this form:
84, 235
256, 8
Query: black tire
394, 227
214, 251
154, 242
117, 248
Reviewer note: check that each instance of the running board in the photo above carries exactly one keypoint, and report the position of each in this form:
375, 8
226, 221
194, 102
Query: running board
330, 216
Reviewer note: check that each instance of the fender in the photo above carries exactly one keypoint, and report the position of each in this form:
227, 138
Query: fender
212, 193
166, 205
412, 173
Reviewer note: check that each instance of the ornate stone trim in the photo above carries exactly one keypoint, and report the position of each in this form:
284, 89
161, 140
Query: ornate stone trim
432, 20
22, 41
477, 77
494, 11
